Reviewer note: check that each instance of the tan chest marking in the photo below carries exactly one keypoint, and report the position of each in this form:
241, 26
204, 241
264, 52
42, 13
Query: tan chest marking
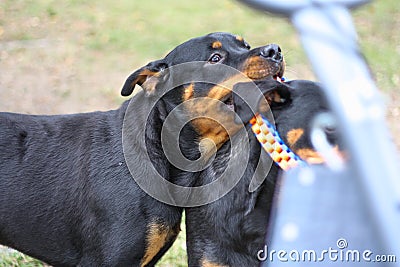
157, 236
206, 263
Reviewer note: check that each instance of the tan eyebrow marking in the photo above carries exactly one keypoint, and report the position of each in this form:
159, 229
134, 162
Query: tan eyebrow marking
239, 38
216, 45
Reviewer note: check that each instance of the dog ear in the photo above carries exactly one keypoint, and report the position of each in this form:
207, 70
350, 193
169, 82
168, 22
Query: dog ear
247, 97
147, 77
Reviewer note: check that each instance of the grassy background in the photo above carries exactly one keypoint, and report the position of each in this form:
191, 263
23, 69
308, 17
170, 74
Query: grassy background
68, 56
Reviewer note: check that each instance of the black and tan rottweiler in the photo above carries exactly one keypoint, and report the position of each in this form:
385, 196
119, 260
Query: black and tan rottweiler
67, 196
231, 230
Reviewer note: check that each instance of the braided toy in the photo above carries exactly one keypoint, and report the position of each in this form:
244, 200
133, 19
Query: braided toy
273, 144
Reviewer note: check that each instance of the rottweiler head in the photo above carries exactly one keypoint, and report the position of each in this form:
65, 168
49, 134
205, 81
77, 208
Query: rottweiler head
293, 112
201, 73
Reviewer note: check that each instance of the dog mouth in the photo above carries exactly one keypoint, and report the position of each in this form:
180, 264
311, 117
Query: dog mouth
274, 98
262, 73
279, 73
271, 98
278, 78
257, 70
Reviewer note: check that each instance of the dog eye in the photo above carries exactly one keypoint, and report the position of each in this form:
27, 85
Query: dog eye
247, 45
215, 58
329, 129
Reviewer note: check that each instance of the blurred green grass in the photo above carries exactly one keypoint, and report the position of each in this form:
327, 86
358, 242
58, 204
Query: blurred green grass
147, 30
16, 259
127, 34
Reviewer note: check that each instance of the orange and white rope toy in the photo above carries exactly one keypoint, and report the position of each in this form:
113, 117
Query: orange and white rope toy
273, 143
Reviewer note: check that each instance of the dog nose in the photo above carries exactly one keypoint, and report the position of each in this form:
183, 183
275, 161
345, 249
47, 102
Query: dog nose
272, 52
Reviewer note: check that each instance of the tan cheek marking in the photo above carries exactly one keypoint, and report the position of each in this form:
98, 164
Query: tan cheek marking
313, 157
213, 130
225, 87
294, 135
213, 118
218, 92
157, 236
257, 68
206, 263
217, 45
309, 155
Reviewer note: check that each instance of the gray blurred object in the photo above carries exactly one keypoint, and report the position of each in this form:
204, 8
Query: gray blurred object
329, 38
318, 209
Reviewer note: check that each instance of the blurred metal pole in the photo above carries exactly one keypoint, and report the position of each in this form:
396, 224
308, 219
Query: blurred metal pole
328, 36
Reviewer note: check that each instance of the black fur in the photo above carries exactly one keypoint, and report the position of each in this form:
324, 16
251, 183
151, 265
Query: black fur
67, 196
